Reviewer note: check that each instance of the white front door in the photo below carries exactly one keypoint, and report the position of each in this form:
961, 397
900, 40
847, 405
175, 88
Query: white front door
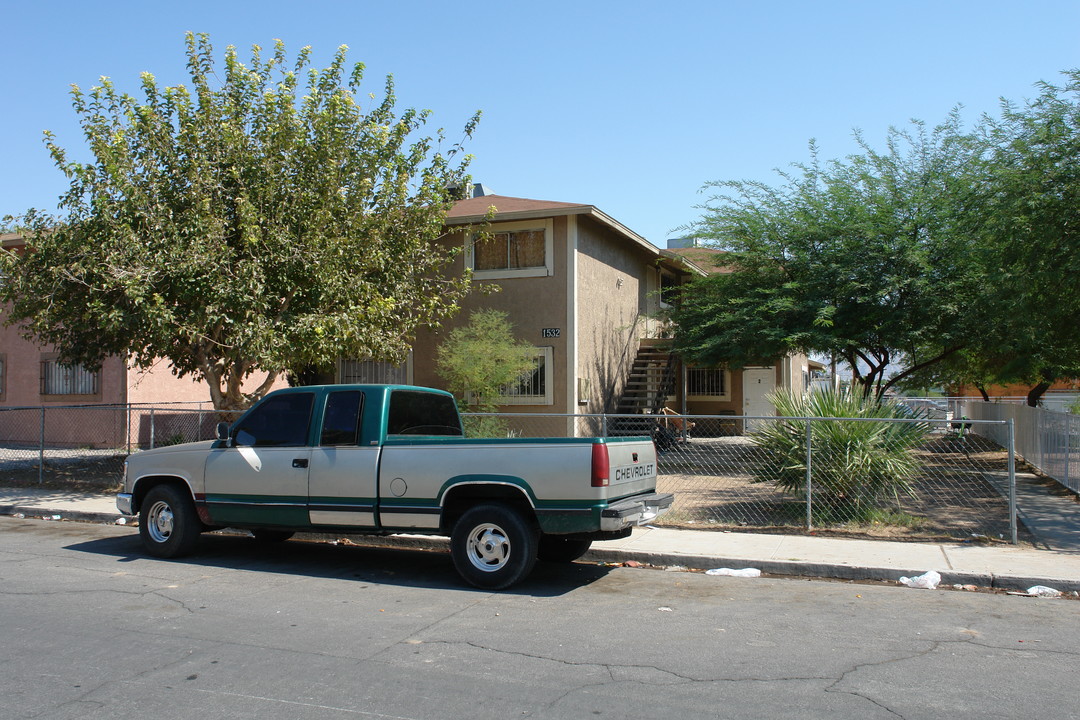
757, 383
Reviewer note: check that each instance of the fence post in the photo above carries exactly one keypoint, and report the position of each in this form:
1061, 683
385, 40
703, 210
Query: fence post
41, 450
603, 425
1068, 449
809, 486
1040, 431
1012, 483
151, 427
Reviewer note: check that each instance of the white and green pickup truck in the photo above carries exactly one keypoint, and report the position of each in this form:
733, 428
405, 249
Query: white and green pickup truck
386, 459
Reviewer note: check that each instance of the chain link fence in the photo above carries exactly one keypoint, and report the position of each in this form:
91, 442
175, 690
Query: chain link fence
85, 446
917, 479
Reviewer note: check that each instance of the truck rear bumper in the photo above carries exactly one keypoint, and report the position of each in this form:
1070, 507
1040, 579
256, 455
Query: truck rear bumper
636, 510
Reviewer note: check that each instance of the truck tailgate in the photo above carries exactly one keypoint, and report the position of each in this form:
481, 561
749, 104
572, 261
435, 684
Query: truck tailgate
632, 466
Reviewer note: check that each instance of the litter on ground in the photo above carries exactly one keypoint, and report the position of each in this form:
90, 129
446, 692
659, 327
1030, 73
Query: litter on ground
927, 581
742, 572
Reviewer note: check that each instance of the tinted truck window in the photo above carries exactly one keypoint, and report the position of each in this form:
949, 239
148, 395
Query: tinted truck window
341, 422
279, 421
421, 413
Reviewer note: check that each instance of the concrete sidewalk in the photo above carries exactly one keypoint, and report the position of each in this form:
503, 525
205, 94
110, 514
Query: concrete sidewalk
992, 566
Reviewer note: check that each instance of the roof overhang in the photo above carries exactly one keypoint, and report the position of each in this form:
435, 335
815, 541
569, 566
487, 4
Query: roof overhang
12, 240
588, 210
684, 262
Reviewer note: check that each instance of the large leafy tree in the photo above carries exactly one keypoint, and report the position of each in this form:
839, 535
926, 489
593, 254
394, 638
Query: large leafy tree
861, 258
260, 219
1030, 223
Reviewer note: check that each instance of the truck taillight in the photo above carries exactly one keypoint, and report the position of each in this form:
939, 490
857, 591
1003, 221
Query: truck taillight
601, 465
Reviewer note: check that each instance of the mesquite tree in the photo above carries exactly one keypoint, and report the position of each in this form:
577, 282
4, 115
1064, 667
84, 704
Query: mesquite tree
860, 258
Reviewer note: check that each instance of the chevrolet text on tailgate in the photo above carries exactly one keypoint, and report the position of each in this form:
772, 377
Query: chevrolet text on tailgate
385, 459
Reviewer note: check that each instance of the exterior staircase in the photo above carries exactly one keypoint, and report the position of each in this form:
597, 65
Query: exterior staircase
651, 382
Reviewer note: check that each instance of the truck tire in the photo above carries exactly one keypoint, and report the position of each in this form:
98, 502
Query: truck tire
493, 546
168, 523
561, 550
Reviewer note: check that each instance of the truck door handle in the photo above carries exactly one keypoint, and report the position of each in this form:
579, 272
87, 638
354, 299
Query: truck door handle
299, 462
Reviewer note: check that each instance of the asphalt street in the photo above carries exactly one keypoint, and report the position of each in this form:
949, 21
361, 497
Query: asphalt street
94, 629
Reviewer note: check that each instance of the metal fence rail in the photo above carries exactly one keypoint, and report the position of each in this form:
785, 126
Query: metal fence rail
1047, 439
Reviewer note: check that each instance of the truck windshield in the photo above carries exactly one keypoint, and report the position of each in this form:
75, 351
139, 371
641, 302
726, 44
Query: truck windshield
422, 413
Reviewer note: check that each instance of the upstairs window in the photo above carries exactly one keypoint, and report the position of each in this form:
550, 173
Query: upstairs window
521, 249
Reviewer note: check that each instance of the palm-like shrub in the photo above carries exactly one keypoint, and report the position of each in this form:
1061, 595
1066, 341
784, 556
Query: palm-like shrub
861, 458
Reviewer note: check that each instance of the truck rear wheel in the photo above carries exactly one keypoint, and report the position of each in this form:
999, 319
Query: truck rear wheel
493, 546
562, 550
168, 523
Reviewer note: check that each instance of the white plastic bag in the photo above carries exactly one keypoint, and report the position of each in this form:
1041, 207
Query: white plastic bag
927, 581
744, 572
1043, 591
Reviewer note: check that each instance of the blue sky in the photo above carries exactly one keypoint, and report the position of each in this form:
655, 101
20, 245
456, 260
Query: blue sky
629, 106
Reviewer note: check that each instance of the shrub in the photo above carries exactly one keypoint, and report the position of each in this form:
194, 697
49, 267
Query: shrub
855, 462
478, 361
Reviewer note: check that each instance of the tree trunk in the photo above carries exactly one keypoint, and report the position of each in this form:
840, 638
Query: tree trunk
1035, 394
982, 391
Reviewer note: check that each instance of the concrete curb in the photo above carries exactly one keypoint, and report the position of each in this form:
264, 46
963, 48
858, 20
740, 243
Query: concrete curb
833, 571
830, 571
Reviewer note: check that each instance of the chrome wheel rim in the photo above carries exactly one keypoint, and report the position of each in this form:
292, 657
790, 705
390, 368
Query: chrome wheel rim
488, 547
160, 521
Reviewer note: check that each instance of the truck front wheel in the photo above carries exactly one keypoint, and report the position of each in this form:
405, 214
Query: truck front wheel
493, 546
168, 523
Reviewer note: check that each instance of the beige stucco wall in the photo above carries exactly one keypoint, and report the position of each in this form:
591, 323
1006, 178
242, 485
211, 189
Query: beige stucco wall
612, 299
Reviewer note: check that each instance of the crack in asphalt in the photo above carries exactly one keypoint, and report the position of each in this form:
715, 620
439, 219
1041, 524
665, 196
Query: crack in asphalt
610, 668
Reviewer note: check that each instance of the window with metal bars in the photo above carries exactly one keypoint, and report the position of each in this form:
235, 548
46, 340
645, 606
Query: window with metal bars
707, 382
371, 372
62, 379
534, 388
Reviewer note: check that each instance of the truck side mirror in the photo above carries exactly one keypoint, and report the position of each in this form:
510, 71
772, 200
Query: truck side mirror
223, 431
